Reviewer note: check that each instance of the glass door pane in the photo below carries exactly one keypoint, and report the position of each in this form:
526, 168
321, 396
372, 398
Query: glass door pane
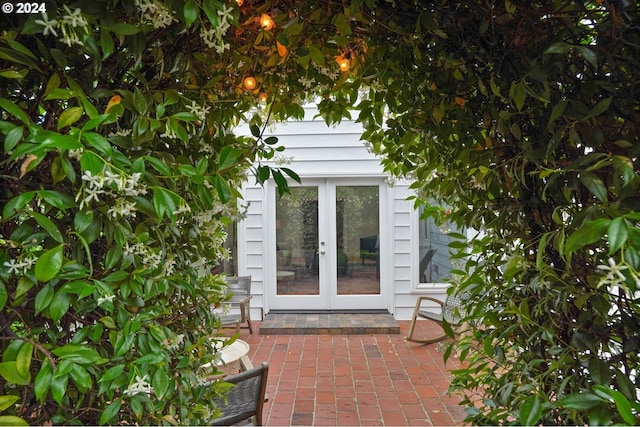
297, 242
357, 240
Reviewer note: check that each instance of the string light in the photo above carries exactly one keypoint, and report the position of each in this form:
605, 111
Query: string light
250, 83
266, 22
263, 97
343, 63
239, 2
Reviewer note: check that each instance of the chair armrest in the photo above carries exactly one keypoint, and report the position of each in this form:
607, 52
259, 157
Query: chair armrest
426, 298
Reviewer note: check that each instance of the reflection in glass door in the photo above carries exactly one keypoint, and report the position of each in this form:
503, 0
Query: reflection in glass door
298, 263
357, 240
328, 247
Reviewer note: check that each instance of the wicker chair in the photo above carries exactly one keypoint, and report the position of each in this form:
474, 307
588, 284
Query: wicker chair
246, 399
240, 287
451, 312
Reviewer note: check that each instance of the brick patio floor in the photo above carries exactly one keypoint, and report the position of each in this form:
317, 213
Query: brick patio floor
354, 380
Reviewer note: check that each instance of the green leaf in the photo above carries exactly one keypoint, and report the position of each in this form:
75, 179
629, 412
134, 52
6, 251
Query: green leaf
125, 29
77, 353
559, 47
185, 116
106, 42
112, 373
580, 401
595, 185
49, 264
57, 199
160, 382
17, 203
59, 305
520, 94
59, 387
165, 202
12, 138
589, 56
44, 297
42, 382
15, 111
12, 420
617, 234
530, 411
90, 161
110, 412
623, 405
81, 377
7, 401
151, 359
590, 232
49, 226
23, 359
228, 157
4, 296
316, 55
191, 12
97, 141
9, 371
342, 24
211, 11
139, 101
224, 192
291, 174
70, 116
82, 220
158, 165
599, 371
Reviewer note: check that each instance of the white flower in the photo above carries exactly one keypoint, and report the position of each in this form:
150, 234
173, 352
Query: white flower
306, 82
102, 300
614, 275
92, 194
111, 178
140, 385
95, 182
76, 154
168, 132
220, 48
226, 13
47, 24
123, 208
184, 208
198, 111
14, 267
75, 18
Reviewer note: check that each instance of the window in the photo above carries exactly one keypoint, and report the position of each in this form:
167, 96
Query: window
435, 262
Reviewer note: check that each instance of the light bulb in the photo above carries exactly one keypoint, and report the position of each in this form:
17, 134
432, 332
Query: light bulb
344, 64
263, 97
266, 22
250, 83
239, 2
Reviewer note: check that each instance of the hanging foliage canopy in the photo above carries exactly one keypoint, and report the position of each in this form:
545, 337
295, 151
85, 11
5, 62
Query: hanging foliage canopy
119, 172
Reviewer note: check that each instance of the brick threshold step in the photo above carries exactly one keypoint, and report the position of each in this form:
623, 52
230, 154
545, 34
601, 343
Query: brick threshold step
328, 323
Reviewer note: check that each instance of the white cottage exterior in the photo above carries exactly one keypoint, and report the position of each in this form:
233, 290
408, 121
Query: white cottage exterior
345, 239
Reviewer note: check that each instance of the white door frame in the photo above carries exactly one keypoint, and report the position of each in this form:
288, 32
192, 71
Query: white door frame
328, 299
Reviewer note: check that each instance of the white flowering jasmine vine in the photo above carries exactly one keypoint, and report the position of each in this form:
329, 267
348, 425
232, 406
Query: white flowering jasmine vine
214, 37
155, 13
140, 385
199, 111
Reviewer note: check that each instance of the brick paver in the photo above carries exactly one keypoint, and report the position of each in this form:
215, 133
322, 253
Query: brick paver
353, 380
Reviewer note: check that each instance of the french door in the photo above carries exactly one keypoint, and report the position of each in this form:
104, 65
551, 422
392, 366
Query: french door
328, 247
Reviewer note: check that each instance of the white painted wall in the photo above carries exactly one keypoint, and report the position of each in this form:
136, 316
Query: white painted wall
318, 151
